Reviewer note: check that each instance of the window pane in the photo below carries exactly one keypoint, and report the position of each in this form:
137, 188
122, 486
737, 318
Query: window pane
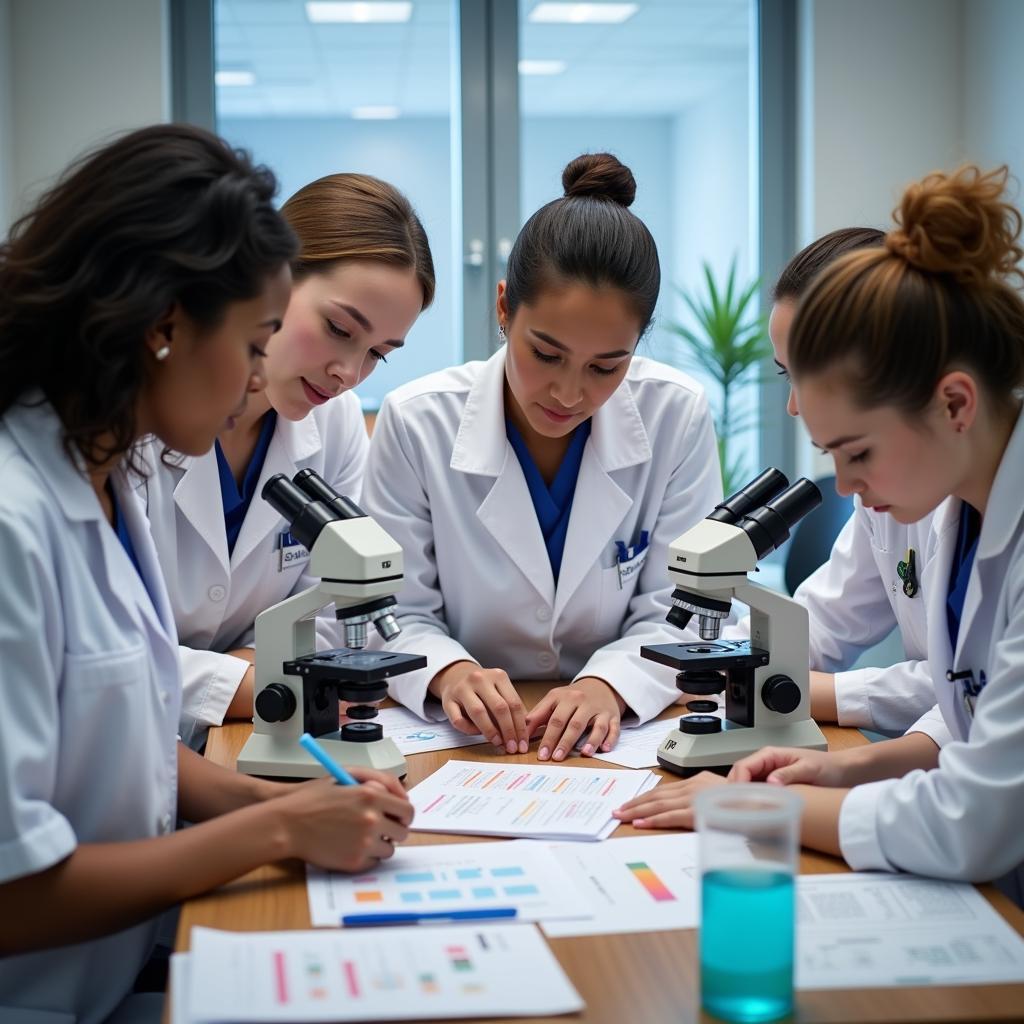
311, 98
669, 92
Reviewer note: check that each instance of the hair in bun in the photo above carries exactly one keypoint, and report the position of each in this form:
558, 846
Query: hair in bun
589, 236
600, 176
938, 295
805, 266
959, 224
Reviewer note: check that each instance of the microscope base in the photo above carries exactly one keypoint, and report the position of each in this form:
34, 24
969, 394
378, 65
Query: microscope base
686, 754
283, 758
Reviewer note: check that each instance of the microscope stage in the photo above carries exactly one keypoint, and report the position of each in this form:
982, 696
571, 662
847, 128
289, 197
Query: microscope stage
344, 665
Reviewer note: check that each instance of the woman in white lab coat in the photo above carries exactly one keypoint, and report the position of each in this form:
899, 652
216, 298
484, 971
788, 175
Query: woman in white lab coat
535, 494
907, 365
858, 597
363, 275
135, 299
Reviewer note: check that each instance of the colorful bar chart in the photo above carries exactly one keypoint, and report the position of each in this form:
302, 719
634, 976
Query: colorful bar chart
647, 877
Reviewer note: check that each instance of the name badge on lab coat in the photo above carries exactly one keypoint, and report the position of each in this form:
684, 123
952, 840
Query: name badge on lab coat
290, 552
629, 561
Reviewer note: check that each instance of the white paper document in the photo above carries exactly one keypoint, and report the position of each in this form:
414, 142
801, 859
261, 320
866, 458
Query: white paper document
864, 930
636, 884
374, 974
453, 877
412, 735
524, 800
638, 747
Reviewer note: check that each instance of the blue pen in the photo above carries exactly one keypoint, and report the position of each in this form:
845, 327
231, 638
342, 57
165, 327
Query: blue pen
428, 917
318, 753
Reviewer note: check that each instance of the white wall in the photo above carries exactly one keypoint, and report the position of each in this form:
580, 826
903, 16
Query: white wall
6, 130
711, 183
80, 72
994, 85
881, 104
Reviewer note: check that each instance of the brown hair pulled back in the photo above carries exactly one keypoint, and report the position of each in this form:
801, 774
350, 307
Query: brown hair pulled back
358, 217
937, 296
588, 236
813, 258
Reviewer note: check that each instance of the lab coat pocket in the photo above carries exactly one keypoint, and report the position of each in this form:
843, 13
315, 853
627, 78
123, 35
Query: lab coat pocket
617, 587
89, 673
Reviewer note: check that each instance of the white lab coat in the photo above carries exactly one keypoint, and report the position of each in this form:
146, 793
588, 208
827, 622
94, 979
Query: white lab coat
444, 481
216, 598
90, 687
855, 600
963, 820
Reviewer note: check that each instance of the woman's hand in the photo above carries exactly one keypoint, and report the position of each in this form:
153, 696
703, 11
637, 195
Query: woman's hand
667, 806
346, 828
483, 700
588, 703
786, 766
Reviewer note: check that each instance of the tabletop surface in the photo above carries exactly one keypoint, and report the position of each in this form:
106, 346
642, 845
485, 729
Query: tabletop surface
646, 978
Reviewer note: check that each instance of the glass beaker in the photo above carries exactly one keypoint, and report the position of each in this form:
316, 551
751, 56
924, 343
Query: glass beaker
748, 843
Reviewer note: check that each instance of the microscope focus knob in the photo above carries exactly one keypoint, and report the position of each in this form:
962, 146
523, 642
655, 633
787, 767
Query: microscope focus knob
780, 694
699, 725
275, 703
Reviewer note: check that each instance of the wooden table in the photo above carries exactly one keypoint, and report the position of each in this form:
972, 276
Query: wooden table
645, 978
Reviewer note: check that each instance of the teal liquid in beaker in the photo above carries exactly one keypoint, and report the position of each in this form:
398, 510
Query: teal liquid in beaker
746, 944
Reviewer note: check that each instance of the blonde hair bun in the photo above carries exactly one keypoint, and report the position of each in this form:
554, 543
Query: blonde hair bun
601, 176
959, 224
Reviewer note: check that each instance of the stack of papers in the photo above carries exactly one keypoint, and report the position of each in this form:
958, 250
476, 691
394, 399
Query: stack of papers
525, 801
379, 974
458, 878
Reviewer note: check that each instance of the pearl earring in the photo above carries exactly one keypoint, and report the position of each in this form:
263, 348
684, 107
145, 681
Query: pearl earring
162, 353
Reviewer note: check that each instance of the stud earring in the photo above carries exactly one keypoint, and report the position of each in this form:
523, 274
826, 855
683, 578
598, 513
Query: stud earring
162, 353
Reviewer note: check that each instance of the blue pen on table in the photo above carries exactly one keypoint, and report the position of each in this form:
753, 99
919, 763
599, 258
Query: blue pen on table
427, 917
318, 753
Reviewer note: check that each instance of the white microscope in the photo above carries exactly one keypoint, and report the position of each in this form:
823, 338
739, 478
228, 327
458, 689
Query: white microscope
297, 689
765, 679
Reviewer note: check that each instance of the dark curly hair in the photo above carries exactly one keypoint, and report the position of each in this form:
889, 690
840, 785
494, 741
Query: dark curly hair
165, 215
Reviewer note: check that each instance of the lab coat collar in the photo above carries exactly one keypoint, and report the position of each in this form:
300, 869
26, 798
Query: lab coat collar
197, 492
481, 445
293, 444
38, 431
998, 527
1003, 510
151, 595
618, 437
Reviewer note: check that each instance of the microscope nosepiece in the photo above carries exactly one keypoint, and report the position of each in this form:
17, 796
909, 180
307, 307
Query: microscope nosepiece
355, 634
387, 626
709, 627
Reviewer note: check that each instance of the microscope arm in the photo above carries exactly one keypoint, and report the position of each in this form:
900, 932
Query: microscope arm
287, 631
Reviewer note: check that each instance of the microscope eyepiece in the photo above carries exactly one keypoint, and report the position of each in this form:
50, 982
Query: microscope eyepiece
305, 518
768, 527
316, 488
284, 496
750, 497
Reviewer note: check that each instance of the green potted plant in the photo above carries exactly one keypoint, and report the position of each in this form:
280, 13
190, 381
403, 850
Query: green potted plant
727, 343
